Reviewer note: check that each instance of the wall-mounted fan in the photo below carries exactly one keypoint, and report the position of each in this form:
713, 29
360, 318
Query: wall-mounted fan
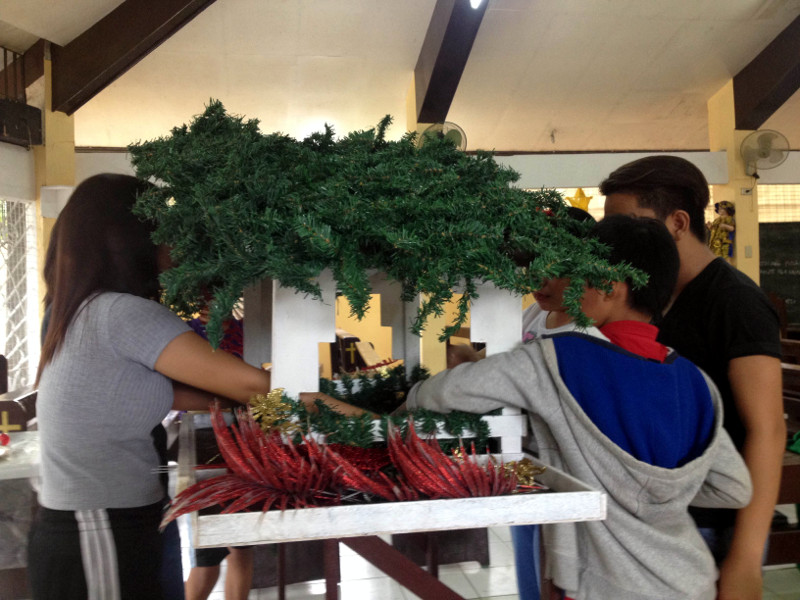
447, 130
763, 149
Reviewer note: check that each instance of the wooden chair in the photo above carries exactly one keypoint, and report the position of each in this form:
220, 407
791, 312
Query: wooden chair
791, 351
784, 539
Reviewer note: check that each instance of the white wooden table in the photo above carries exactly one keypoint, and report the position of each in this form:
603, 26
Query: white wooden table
358, 526
21, 459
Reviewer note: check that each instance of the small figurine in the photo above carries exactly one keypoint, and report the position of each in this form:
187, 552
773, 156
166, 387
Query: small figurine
720, 238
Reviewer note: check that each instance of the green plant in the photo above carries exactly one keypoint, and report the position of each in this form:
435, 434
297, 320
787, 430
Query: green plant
238, 206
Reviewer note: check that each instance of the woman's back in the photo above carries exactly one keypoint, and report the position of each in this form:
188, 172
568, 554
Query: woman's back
99, 399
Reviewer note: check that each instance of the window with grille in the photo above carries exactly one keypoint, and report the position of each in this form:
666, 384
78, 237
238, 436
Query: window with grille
19, 315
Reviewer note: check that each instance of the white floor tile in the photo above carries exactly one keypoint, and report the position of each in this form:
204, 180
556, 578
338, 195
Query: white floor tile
455, 580
459, 567
494, 581
783, 581
362, 589
501, 533
296, 591
357, 567
501, 554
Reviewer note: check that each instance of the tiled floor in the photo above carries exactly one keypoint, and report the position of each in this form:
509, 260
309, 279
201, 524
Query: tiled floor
362, 581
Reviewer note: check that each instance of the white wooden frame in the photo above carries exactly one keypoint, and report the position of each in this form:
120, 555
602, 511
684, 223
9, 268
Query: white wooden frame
568, 500
279, 317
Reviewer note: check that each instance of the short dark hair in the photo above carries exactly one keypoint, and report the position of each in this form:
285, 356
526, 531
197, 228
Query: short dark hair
663, 184
647, 245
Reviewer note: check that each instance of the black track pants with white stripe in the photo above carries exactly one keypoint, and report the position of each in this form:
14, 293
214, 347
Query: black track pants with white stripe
103, 554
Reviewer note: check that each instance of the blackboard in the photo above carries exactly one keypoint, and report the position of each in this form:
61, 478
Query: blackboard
779, 245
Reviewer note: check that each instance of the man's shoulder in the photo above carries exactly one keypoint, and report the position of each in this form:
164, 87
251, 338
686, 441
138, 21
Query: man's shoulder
723, 277
721, 286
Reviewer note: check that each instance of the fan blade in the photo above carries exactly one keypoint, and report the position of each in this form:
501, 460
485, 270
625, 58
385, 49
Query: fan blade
777, 156
765, 144
454, 136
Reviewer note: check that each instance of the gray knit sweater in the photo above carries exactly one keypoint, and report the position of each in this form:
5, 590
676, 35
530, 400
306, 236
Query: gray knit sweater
648, 546
99, 399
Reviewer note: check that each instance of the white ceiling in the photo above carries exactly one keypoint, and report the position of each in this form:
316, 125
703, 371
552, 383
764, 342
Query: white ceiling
543, 75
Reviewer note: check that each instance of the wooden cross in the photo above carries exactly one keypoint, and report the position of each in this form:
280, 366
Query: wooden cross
352, 350
5, 426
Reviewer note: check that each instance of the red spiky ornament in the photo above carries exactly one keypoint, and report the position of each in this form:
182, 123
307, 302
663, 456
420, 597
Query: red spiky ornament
267, 471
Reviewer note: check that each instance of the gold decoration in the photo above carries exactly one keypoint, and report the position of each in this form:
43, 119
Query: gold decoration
526, 471
272, 412
580, 199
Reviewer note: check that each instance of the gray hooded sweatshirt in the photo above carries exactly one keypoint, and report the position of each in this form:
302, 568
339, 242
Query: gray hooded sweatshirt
648, 547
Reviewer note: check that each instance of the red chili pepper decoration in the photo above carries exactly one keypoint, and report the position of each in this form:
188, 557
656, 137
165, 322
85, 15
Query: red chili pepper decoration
265, 471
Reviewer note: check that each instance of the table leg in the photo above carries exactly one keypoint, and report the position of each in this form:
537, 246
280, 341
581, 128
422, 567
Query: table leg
401, 569
332, 573
281, 572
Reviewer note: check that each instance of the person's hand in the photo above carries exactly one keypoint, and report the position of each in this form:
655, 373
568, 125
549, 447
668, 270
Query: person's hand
461, 353
348, 410
739, 581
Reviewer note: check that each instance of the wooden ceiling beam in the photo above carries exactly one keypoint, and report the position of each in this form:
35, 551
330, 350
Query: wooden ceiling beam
769, 80
90, 62
445, 50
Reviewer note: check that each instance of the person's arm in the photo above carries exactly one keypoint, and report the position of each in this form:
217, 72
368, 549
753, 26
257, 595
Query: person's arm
186, 397
478, 387
343, 408
189, 359
728, 483
757, 391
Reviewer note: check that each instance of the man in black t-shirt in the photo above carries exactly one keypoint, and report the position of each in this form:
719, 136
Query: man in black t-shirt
722, 321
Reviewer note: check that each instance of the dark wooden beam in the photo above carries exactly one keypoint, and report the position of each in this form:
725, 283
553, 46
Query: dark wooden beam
90, 62
445, 50
769, 80
20, 123
33, 61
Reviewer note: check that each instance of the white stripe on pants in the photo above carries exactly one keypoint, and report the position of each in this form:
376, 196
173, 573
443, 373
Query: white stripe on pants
99, 554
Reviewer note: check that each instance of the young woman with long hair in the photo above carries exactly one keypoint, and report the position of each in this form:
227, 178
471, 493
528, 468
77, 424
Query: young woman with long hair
114, 362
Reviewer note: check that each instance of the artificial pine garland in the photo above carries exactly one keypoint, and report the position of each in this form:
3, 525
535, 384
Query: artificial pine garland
382, 393
378, 393
238, 206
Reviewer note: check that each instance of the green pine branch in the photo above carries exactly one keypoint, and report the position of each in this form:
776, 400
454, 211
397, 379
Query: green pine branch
238, 206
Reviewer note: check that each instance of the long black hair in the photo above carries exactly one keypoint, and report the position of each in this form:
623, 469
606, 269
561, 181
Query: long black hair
98, 245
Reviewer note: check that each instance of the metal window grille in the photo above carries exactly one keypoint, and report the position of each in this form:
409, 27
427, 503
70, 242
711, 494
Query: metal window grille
18, 290
776, 203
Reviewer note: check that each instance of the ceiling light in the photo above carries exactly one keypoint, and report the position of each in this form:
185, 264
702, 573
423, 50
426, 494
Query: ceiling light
475, 3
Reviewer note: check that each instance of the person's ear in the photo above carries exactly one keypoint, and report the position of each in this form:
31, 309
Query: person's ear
679, 224
618, 288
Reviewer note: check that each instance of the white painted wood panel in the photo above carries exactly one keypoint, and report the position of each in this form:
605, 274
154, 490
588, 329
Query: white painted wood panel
568, 500
299, 323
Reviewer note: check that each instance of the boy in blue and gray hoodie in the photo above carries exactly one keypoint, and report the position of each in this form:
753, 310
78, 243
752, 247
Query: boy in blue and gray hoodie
624, 414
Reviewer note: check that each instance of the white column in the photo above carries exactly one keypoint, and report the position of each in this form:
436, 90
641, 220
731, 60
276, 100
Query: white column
299, 324
399, 316
496, 320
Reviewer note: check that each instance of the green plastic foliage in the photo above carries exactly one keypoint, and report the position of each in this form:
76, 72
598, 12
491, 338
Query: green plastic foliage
238, 206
